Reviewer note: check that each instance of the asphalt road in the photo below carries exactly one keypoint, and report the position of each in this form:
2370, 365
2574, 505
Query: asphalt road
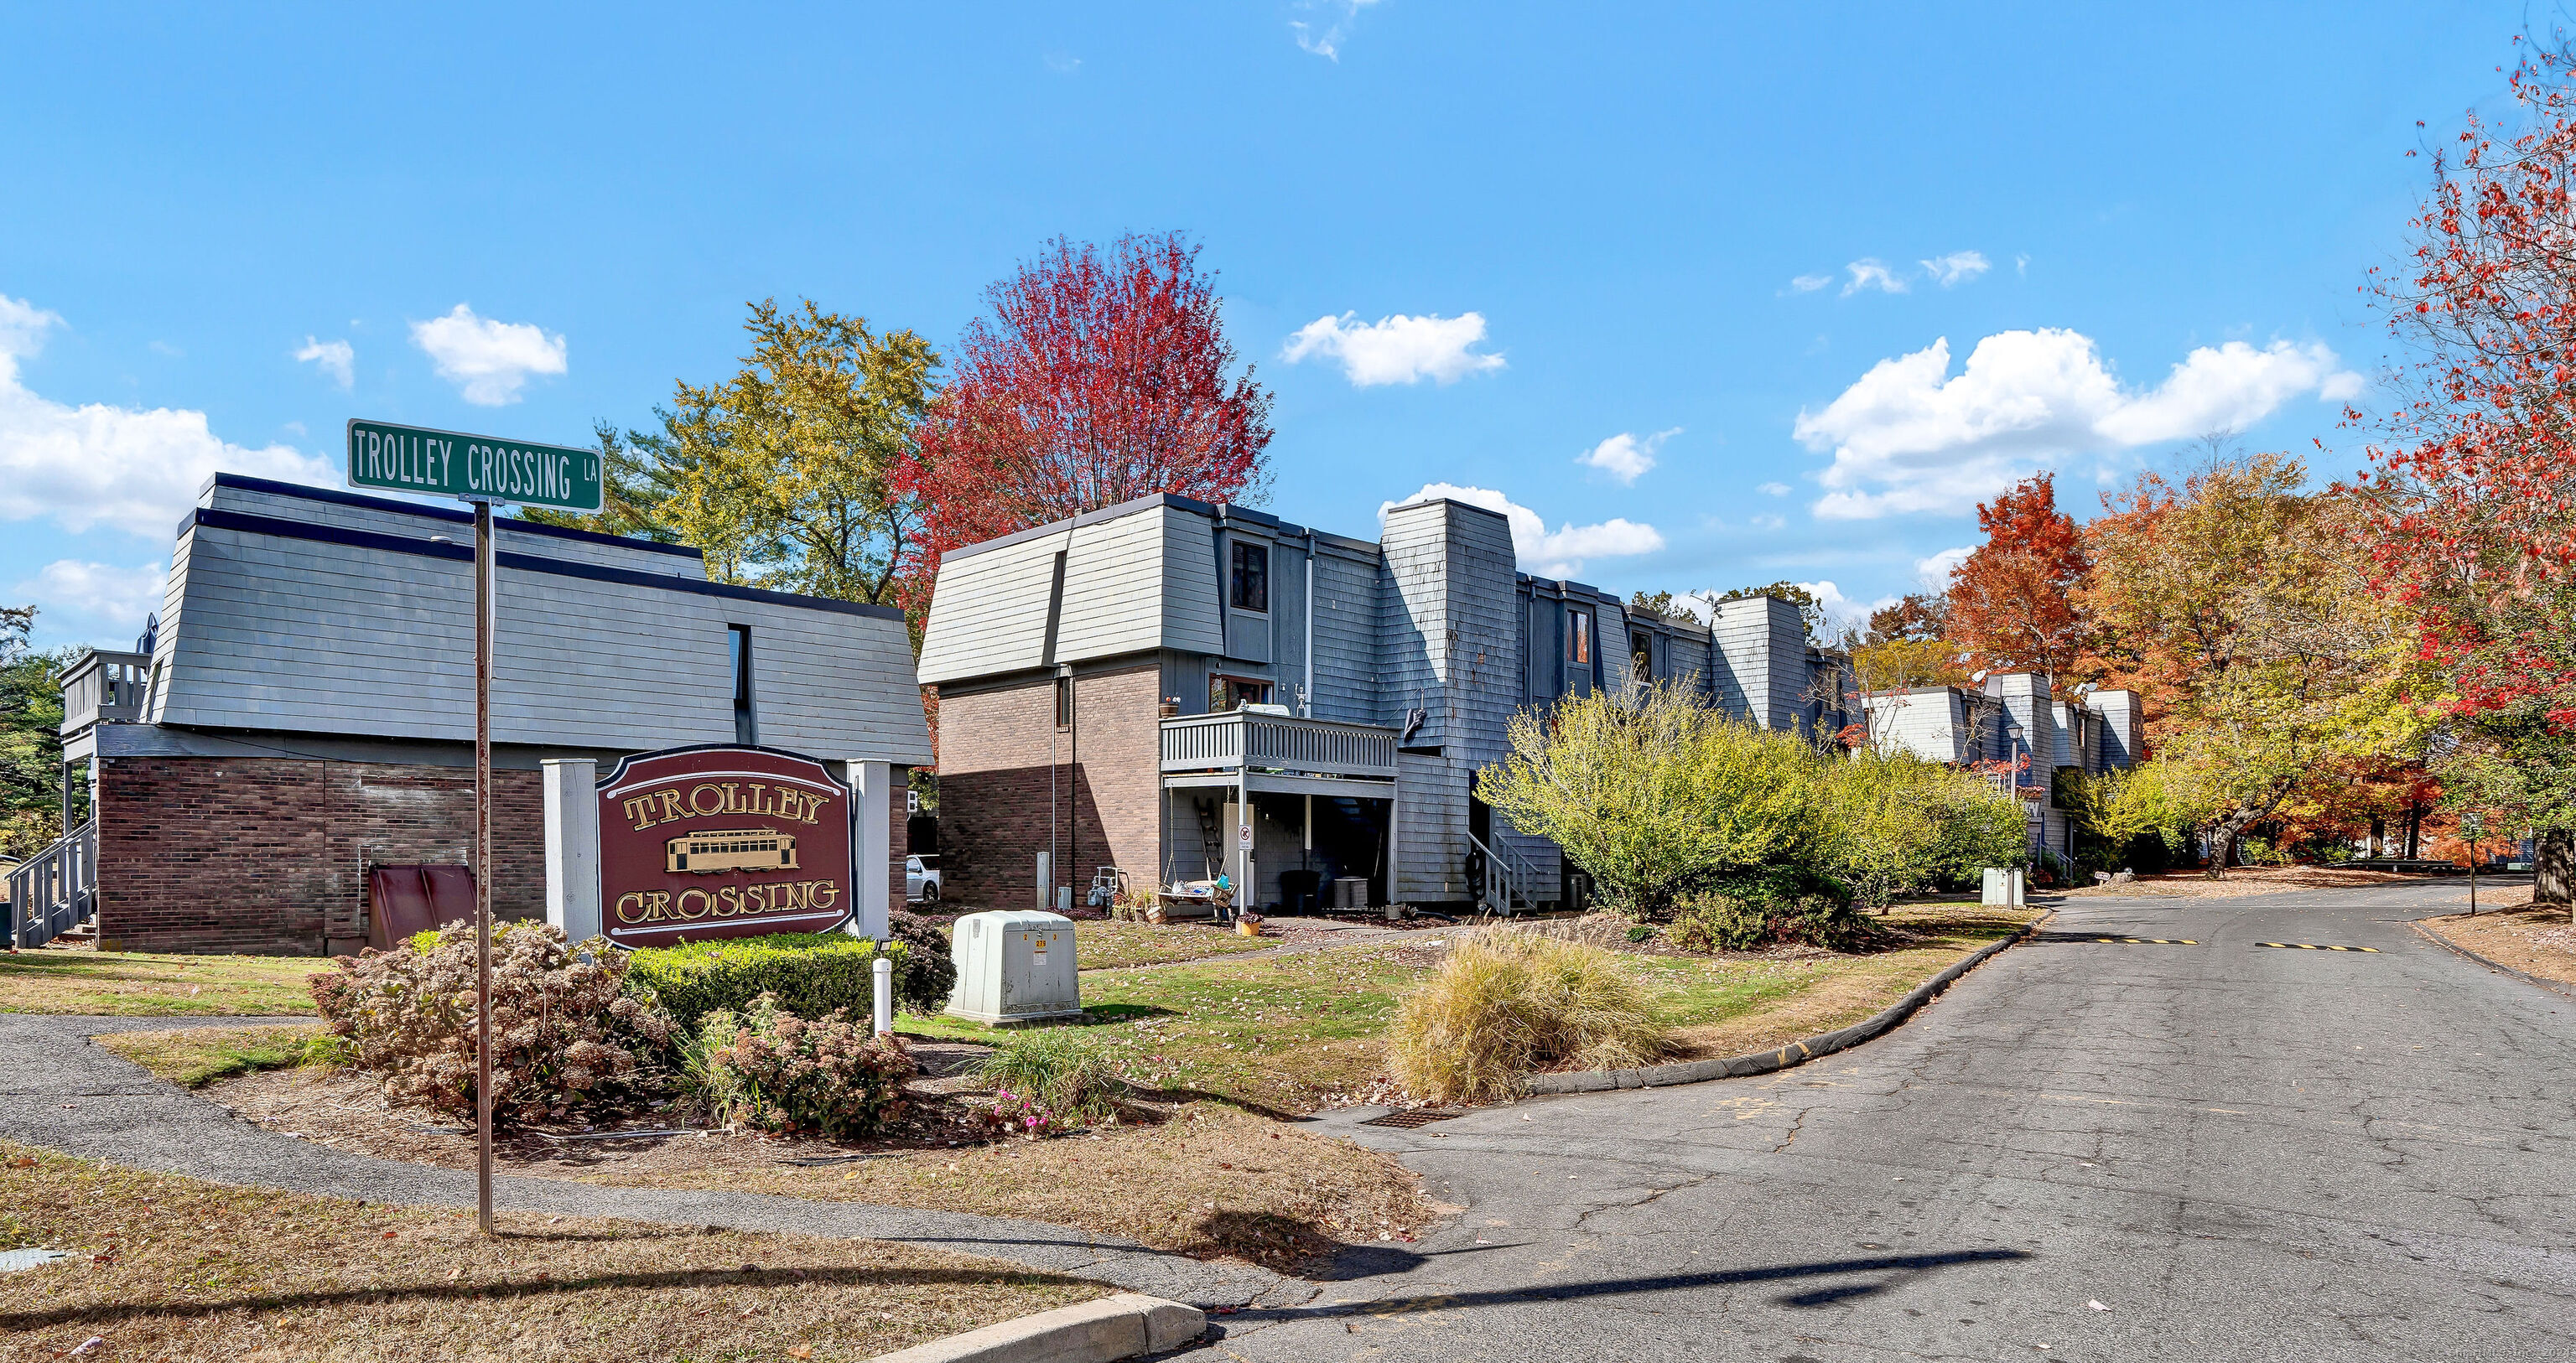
2208, 1152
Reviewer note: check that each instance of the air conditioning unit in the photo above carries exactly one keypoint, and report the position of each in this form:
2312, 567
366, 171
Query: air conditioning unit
1014, 965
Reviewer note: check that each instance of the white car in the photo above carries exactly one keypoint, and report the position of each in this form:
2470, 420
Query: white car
921, 878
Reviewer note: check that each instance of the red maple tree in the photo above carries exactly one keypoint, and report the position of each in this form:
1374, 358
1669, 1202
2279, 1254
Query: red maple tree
2474, 483
1094, 380
2012, 602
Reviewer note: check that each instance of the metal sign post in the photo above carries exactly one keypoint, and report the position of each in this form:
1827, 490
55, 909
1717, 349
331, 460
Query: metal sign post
480, 469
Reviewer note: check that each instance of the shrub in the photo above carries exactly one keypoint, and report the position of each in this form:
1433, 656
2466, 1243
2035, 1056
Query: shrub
565, 1029
809, 973
1768, 907
1506, 1002
927, 974
1898, 824
1061, 1077
1655, 794
768, 1068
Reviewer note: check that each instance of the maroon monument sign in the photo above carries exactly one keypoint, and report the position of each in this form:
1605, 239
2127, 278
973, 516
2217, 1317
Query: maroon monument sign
721, 842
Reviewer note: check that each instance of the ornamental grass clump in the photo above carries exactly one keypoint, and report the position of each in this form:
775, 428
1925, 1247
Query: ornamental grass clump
1065, 1077
566, 1031
769, 1069
1508, 1002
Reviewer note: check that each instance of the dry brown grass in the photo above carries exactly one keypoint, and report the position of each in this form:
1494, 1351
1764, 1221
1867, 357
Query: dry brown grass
172, 1268
1211, 1182
2534, 940
1506, 1002
1283, 1195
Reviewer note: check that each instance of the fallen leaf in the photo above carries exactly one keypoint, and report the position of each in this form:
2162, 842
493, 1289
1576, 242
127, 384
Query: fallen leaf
2097, 1306
453, 1272
87, 1344
801, 1351
389, 1235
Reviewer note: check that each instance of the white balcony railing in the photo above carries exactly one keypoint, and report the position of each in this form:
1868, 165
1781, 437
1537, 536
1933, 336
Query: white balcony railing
104, 687
1247, 739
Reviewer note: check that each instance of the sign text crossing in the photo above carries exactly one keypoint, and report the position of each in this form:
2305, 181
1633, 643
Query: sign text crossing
477, 467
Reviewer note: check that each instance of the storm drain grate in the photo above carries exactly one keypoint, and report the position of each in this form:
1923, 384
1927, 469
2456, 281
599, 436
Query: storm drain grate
1420, 1116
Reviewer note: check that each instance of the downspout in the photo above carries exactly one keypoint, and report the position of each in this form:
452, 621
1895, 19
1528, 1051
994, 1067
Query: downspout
1309, 705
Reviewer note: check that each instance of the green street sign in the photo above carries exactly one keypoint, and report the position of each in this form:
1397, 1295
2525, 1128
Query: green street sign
477, 468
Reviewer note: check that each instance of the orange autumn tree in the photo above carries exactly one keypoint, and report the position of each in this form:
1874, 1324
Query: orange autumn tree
2013, 604
2473, 486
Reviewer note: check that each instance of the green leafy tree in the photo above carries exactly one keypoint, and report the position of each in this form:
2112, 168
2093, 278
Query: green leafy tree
1811, 611
31, 739
780, 474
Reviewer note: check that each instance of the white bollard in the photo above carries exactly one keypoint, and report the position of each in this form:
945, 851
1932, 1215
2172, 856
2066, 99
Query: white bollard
884, 995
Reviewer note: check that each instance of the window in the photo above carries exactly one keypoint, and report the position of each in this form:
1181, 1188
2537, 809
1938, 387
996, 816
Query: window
1578, 637
1233, 693
1251, 590
738, 644
1641, 650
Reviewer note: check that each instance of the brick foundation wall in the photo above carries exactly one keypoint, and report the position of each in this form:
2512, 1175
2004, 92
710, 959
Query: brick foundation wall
262, 855
994, 778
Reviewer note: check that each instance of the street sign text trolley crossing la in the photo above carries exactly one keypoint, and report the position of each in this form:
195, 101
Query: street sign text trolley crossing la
481, 469
415, 459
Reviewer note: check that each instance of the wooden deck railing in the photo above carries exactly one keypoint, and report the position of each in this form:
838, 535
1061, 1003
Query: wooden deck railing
104, 687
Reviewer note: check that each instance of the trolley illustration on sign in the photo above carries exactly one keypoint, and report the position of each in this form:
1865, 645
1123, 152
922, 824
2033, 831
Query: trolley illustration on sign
731, 849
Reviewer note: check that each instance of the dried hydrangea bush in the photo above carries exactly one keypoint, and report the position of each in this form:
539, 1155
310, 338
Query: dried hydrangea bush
566, 1032
777, 1072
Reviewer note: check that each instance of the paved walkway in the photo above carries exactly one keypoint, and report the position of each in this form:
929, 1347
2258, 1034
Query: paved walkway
2221, 1151
66, 1092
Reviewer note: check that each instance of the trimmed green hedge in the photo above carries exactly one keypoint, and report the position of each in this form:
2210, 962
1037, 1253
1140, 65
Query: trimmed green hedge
812, 973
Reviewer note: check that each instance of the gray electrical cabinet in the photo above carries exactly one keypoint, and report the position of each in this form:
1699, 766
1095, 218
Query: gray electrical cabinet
1014, 965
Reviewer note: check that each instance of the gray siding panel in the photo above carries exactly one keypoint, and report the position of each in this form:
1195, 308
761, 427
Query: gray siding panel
1346, 657
288, 634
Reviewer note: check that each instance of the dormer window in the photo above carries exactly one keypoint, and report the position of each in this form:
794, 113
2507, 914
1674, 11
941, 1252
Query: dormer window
1578, 638
1250, 590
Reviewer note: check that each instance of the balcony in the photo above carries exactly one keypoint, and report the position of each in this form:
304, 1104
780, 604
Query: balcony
102, 687
1282, 748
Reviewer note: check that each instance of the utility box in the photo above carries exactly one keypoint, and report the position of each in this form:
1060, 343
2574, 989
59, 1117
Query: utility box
2005, 888
1014, 966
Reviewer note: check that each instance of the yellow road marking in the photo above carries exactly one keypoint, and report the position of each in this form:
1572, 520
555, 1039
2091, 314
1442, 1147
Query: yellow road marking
2314, 946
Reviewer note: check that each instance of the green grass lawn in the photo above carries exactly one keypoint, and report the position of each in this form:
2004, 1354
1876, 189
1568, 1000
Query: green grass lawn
193, 1057
142, 984
1111, 944
1282, 1032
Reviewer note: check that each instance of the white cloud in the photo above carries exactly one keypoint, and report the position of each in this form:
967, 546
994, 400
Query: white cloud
135, 471
1934, 572
1063, 63
1543, 552
1769, 521
1809, 283
1958, 267
1773, 489
1326, 41
1626, 456
488, 361
1397, 349
1841, 612
335, 358
95, 593
1872, 274
1910, 436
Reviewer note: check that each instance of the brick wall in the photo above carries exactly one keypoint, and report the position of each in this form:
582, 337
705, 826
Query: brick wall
994, 779
262, 855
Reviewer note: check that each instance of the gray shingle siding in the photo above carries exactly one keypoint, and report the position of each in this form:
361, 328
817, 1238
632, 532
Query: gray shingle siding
272, 624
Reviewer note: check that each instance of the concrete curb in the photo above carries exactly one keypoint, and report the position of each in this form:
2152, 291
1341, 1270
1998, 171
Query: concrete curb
1795, 1053
2555, 986
1124, 1326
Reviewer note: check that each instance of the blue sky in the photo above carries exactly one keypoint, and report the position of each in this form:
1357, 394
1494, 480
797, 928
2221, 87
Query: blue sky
1803, 283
